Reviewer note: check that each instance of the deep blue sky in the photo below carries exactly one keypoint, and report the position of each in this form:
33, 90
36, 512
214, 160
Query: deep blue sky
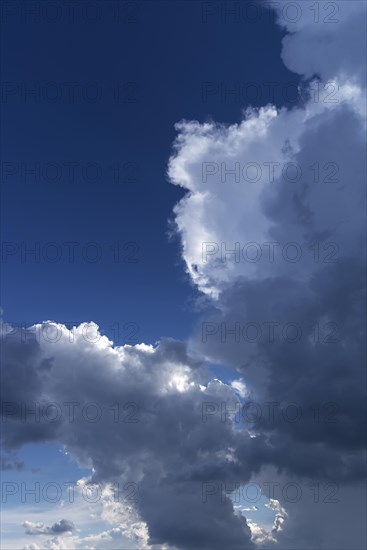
167, 53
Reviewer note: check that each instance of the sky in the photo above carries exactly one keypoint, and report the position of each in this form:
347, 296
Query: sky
149, 73
182, 257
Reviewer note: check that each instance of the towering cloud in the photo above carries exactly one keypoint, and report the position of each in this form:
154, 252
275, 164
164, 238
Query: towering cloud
272, 229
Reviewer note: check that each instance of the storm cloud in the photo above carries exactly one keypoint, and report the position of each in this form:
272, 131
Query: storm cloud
271, 231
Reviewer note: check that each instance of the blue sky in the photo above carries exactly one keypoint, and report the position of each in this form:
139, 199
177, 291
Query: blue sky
128, 129
173, 74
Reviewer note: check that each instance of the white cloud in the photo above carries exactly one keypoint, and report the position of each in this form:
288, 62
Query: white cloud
224, 226
325, 38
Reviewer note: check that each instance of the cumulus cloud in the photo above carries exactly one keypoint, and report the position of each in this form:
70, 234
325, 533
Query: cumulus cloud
271, 230
264, 167
61, 527
136, 421
279, 250
260, 171
324, 38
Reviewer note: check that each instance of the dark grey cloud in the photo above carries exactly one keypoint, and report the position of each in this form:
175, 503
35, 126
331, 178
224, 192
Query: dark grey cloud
158, 442
293, 331
8, 461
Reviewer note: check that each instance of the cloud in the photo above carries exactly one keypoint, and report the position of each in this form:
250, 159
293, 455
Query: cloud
260, 171
271, 230
61, 527
265, 166
278, 248
100, 541
10, 462
325, 39
136, 421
